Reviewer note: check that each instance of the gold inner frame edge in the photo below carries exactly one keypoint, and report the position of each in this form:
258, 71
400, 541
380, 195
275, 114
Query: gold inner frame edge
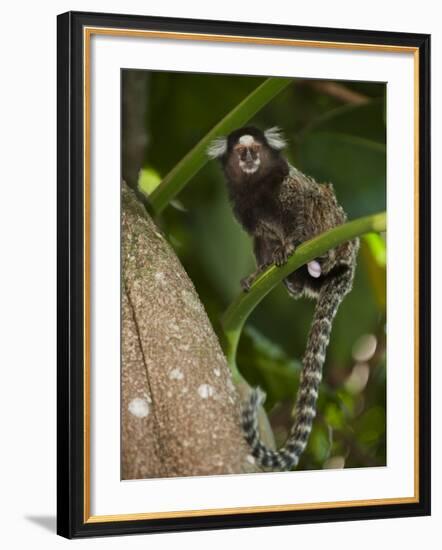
87, 33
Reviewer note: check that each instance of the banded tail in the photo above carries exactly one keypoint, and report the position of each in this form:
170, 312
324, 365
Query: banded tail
287, 457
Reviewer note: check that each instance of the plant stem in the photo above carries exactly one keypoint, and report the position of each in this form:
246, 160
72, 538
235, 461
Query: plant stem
196, 158
236, 314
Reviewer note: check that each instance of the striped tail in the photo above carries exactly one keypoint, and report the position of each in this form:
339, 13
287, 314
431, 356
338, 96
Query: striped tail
287, 457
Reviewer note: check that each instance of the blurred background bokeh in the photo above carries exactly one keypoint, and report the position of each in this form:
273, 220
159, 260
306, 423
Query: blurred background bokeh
336, 133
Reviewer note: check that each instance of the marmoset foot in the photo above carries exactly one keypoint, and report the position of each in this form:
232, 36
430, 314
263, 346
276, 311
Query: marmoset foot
247, 282
282, 253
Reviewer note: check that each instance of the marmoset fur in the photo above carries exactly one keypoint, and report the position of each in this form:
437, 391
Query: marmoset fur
280, 208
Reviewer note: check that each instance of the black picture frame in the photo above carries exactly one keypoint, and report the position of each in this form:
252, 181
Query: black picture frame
72, 521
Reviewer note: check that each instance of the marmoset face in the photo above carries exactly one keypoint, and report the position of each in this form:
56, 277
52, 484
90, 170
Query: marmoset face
248, 154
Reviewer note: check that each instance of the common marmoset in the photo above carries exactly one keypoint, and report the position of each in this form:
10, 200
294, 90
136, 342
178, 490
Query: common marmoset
280, 208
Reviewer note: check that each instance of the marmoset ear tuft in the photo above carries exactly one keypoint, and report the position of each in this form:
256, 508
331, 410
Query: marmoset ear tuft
217, 148
275, 138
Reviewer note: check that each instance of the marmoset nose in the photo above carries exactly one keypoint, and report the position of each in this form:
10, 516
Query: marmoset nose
249, 157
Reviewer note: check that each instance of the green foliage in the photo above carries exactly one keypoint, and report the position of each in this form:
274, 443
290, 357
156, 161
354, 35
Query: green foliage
332, 141
265, 364
341, 162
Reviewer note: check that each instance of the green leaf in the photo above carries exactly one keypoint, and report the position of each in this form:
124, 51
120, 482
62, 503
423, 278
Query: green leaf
374, 256
370, 427
148, 180
377, 247
334, 416
196, 158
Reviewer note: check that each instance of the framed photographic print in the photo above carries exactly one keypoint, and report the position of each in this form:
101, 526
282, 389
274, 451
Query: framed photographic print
243, 338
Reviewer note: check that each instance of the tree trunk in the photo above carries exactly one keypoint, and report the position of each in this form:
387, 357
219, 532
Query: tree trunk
180, 409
